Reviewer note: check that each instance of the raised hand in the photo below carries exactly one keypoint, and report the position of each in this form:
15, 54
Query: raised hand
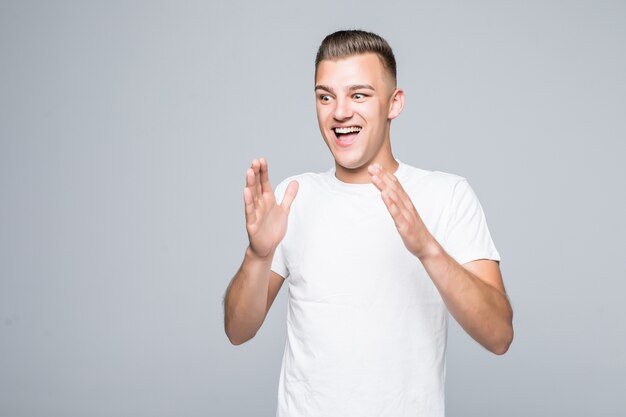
412, 229
266, 221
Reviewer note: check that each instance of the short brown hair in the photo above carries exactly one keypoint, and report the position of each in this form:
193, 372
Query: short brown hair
346, 43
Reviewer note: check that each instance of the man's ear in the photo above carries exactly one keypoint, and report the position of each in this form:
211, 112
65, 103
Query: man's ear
397, 103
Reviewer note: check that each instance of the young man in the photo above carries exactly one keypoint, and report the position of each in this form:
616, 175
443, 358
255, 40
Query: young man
375, 253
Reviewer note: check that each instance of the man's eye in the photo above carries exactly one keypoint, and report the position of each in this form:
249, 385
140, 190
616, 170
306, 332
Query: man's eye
325, 98
359, 96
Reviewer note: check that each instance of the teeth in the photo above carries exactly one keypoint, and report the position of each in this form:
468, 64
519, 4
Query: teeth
344, 130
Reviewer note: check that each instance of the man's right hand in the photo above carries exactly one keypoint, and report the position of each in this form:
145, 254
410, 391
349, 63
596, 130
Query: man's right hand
266, 221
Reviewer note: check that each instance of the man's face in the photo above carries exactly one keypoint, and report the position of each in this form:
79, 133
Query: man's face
356, 100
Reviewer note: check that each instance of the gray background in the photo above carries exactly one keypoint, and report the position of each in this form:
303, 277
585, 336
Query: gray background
126, 129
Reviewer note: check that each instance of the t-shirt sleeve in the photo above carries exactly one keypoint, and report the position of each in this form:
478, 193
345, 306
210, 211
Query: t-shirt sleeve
279, 264
467, 234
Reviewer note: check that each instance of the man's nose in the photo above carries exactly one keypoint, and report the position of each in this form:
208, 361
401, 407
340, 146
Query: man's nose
343, 110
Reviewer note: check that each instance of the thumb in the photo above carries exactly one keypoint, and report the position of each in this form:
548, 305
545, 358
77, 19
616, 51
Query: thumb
290, 195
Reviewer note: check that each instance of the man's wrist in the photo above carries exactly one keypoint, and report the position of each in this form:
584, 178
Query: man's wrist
252, 256
431, 252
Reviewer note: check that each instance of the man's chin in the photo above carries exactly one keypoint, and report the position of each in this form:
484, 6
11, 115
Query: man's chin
350, 166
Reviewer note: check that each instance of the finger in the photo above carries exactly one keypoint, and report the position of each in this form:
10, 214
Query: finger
290, 195
378, 176
249, 206
394, 204
393, 188
396, 199
385, 182
251, 183
266, 187
374, 171
378, 182
256, 164
256, 168
399, 194
394, 210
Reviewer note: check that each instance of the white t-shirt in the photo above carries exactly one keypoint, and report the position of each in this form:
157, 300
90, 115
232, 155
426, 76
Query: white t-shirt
366, 327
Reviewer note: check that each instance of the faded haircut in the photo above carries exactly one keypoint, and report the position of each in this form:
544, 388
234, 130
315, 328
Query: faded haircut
347, 43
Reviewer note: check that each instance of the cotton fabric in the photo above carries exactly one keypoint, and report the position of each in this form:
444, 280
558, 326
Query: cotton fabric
366, 327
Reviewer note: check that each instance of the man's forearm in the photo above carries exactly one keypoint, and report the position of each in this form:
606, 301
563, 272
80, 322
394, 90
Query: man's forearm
481, 309
245, 302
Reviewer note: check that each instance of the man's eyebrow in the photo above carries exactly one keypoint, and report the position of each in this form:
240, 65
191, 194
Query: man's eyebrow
361, 87
351, 88
324, 87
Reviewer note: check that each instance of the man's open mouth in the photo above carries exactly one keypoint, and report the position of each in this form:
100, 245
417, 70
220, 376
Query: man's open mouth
346, 130
346, 135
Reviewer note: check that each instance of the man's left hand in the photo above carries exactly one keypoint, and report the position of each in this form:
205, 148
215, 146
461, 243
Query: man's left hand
412, 229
